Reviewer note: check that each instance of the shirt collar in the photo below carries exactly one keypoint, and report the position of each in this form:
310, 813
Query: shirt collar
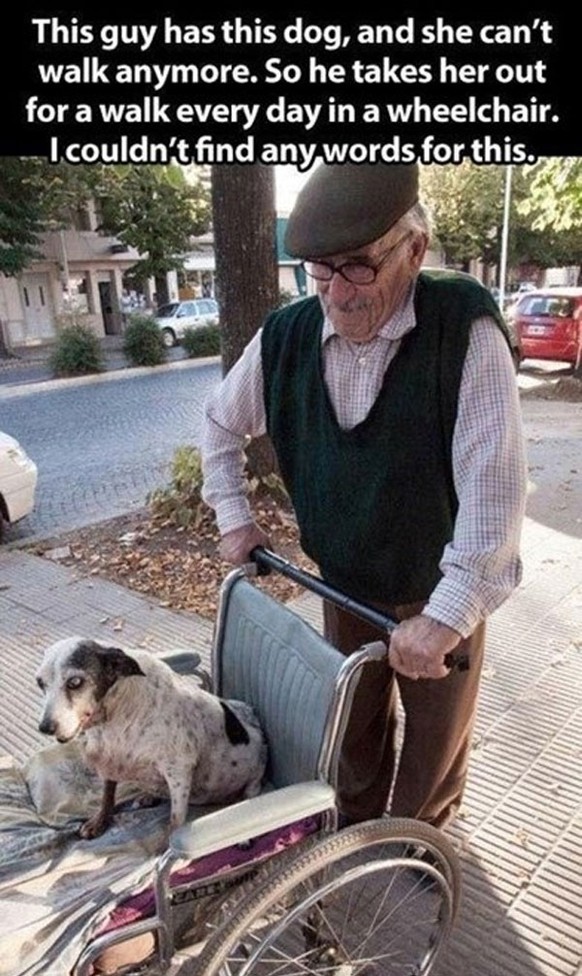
400, 322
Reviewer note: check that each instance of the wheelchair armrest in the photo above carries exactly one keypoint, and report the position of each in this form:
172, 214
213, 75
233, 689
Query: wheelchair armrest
242, 821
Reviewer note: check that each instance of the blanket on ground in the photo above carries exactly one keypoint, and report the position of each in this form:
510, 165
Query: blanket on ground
55, 888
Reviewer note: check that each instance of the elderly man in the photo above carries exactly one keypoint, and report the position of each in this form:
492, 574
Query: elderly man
391, 402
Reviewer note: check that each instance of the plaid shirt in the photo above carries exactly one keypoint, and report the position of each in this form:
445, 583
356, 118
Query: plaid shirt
481, 564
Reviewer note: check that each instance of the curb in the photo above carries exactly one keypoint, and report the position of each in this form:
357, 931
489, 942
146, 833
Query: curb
43, 386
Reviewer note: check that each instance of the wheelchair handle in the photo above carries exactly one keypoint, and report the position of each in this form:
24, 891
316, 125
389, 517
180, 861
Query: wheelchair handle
266, 561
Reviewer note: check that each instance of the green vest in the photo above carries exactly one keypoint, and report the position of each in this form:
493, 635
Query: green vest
375, 505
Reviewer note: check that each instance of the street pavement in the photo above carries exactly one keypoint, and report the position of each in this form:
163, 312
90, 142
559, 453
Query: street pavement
30, 364
519, 835
102, 443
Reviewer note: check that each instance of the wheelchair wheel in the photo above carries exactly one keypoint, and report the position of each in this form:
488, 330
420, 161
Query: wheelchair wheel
375, 899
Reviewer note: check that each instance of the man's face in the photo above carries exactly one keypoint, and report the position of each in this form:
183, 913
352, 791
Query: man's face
358, 311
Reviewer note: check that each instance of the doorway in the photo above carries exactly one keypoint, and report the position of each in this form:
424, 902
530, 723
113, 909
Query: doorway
111, 320
38, 315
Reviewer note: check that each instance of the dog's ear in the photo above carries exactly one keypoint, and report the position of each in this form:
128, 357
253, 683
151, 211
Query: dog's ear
117, 664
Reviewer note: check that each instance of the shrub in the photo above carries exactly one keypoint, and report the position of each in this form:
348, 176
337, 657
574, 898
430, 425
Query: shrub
77, 351
204, 341
181, 502
285, 297
143, 343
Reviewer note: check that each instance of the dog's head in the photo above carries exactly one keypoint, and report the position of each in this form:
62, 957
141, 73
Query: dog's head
75, 676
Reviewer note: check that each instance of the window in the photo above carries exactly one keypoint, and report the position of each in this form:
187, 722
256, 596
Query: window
551, 305
167, 311
77, 297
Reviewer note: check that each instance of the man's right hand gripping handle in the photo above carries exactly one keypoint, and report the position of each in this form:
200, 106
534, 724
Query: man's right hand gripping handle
237, 545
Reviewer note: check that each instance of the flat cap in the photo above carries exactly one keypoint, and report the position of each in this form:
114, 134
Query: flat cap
347, 206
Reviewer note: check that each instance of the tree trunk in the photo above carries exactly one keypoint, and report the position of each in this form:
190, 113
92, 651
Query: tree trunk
244, 221
247, 277
162, 296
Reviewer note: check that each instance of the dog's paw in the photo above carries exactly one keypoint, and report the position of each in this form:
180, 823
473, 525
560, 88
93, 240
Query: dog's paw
145, 800
93, 827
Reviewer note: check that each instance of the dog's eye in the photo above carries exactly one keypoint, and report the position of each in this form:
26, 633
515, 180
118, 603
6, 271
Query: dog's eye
74, 683
40, 683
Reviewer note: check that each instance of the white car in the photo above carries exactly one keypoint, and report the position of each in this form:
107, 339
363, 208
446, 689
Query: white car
18, 476
174, 318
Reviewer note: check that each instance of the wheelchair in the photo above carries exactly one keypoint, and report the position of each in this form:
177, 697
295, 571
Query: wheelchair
272, 885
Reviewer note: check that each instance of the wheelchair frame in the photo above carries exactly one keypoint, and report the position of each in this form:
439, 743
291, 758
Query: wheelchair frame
265, 654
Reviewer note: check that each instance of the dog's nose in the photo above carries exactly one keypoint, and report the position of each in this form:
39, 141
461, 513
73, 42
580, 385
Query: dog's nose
47, 726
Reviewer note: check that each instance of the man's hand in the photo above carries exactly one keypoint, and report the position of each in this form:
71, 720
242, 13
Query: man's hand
236, 546
418, 647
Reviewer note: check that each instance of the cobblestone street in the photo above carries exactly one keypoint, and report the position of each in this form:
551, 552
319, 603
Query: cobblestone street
102, 444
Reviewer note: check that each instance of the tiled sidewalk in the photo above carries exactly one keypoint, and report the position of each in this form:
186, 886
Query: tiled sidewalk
520, 833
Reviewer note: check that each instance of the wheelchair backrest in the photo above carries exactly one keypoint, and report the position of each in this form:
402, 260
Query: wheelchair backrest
266, 655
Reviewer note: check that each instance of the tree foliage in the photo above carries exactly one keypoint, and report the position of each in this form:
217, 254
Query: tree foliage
63, 190
22, 216
154, 209
467, 204
556, 194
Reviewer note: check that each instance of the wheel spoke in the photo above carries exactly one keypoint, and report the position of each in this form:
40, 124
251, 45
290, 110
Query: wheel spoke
332, 951
350, 906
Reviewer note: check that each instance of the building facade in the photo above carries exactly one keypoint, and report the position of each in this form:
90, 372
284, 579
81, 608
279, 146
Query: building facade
77, 276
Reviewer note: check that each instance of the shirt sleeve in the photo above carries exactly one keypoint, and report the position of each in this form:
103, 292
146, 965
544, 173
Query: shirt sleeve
233, 413
481, 565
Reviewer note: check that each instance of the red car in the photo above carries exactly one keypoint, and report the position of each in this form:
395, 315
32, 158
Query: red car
549, 323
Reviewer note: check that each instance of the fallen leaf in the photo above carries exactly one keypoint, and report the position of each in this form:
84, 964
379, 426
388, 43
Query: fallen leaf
521, 836
179, 566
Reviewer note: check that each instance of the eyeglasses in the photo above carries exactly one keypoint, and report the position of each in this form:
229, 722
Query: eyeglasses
356, 272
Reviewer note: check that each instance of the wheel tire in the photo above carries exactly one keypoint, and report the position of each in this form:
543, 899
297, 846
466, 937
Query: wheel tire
168, 338
303, 917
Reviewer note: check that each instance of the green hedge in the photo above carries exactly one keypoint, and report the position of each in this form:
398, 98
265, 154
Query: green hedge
143, 342
181, 501
204, 341
77, 351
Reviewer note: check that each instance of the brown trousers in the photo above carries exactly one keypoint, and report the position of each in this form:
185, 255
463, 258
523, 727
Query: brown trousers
439, 715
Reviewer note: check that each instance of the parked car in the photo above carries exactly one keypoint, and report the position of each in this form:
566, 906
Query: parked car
18, 475
549, 323
516, 350
174, 318
514, 293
